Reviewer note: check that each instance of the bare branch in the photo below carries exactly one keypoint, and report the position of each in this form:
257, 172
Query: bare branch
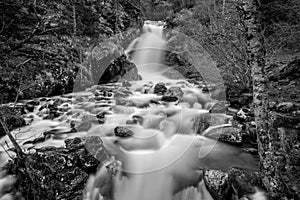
18, 149
6, 152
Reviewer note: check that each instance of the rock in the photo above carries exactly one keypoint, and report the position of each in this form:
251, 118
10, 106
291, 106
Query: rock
169, 98
119, 69
225, 133
123, 132
30, 105
84, 126
205, 89
219, 107
180, 66
244, 181
126, 84
173, 94
58, 173
173, 74
218, 184
160, 89
244, 114
90, 118
285, 107
206, 120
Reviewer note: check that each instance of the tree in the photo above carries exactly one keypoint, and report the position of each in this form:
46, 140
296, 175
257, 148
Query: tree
271, 155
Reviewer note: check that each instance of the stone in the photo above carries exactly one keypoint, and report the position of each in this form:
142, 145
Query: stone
30, 105
120, 69
126, 84
123, 132
225, 133
160, 89
217, 183
173, 94
169, 98
84, 126
244, 181
59, 173
219, 107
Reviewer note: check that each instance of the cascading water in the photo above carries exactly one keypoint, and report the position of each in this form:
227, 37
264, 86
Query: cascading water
157, 162
148, 52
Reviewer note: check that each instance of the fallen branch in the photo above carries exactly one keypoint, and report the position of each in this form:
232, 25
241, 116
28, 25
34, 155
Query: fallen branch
18, 149
6, 151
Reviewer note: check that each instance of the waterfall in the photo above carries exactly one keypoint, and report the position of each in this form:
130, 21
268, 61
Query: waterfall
148, 52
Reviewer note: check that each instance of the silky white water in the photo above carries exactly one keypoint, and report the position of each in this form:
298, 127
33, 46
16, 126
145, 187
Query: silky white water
148, 52
162, 160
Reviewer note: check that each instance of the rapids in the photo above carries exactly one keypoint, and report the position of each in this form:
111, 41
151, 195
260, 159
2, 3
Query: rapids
165, 156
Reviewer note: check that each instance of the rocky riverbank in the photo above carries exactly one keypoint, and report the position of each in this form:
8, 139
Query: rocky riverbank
61, 152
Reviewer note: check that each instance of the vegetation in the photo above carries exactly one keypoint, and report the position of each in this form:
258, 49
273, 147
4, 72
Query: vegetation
44, 44
51, 47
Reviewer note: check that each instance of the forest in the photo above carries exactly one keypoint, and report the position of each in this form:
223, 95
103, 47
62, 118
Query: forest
82, 82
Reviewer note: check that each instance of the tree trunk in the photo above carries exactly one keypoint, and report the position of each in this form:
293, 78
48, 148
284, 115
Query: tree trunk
272, 159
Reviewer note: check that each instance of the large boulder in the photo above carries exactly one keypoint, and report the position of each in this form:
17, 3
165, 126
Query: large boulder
119, 69
58, 173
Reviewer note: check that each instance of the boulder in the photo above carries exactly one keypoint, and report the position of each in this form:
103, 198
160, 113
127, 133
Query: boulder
160, 89
173, 94
58, 173
119, 69
123, 132
218, 184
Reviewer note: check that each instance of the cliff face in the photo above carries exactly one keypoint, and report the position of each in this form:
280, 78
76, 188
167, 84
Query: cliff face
44, 44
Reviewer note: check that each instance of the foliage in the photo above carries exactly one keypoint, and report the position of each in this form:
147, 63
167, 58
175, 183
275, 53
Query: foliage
281, 19
44, 43
164, 9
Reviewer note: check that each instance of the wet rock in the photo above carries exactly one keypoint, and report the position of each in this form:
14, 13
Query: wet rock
169, 98
218, 184
58, 173
205, 89
84, 126
243, 182
126, 84
30, 105
219, 107
53, 114
207, 120
100, 98
90, 118
179, 64
173, 74
173, 94
160, 89
224, 133
123, 132
119, 69
244, 114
